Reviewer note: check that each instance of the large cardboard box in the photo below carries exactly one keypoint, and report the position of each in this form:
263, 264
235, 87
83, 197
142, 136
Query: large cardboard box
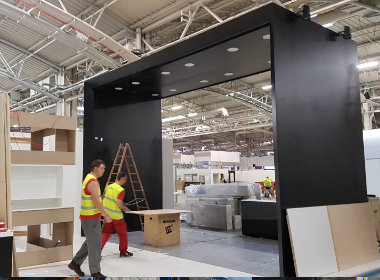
162, 226
180, 185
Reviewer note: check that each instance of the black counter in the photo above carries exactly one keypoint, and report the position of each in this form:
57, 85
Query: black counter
259, 218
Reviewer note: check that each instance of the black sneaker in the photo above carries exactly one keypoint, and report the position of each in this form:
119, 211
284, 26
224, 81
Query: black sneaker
124, 255
97, 274
76, 268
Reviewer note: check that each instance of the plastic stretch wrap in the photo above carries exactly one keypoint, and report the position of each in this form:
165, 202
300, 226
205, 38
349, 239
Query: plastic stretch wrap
222, 190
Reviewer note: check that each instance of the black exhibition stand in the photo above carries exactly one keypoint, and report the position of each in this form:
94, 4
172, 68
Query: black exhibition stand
316, 110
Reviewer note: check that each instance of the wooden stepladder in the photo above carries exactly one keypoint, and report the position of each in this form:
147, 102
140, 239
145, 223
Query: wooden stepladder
124, 156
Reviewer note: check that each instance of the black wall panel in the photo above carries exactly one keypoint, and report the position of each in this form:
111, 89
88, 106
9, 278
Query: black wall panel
317, 121
137, 124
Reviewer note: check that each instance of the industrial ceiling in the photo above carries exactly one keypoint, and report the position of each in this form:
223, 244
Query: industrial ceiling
49, 48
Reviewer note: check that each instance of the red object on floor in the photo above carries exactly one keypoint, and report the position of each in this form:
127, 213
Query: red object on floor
3, 229
121, 228
2, 225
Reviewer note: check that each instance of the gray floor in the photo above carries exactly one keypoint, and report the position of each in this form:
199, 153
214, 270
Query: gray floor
227, 249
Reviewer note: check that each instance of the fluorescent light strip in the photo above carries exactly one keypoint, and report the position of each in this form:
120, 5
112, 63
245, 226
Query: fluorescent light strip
174, 108
367, 64
176, 118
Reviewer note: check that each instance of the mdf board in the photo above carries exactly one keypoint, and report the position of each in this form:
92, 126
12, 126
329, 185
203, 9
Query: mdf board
375, 207
43, 158
162, 230
354, 234
42, 256
43, 216
312, 241
5, 160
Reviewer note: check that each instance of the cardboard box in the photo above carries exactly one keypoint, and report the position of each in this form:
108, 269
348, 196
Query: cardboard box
161, 227
180, 185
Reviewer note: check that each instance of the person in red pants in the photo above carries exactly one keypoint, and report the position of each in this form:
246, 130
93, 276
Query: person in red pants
114, 206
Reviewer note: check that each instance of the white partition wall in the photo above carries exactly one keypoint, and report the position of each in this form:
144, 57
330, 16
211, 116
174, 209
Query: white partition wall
167, 174
372, 160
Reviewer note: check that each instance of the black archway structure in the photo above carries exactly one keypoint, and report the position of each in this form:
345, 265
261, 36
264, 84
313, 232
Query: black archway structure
316, 107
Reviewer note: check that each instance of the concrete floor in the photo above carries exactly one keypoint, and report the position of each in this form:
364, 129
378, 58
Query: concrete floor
228, 249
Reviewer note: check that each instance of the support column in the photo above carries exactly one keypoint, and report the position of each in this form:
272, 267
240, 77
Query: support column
138, 38
367, 116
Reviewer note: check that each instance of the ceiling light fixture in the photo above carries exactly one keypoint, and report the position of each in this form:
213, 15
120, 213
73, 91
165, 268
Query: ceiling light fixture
327, 25
165, 73
266, 37
155, 94
367, 64
135, 83
118, 88
189, 64
228, 74
173, 90
176, 118
267, 87
203, 81
232, 49
175, 108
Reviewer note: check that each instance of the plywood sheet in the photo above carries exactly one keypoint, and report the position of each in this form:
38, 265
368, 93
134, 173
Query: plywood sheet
159, 212
39, 217
43, 256
354, 234
5, 162
358, 270
312, 241
43, 158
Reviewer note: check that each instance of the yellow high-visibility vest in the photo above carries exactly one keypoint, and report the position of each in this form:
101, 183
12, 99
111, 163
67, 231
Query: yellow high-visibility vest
267, 182
110, 199
88, 207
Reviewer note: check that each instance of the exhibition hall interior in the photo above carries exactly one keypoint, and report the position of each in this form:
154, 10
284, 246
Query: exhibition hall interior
189, 139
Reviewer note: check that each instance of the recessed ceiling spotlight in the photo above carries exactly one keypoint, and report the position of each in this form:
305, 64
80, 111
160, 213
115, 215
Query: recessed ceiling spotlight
135, 83
232, 49
189, 64
173, 90
228, 74
203, 81
165, 73
269, 62
155, 94
118, 88
266, 37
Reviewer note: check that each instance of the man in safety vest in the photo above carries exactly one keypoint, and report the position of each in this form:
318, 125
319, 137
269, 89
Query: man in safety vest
90, 214
268, 186
113, 204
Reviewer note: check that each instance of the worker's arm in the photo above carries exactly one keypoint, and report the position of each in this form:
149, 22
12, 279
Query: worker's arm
93, 189
122, 206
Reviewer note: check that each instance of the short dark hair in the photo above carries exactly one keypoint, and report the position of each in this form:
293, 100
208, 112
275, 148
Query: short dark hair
97, 163
121, 175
